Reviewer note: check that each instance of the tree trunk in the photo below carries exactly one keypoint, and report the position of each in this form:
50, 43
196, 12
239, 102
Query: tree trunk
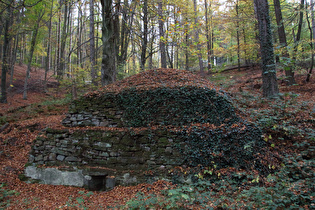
14, 51
238, 37
161, 33
92, 44
283, 41
296, 42
197, 38
108, 70
312, 38
61, 66
47, 64
208, 36
186, 44
145, 35
270, 85
5, 59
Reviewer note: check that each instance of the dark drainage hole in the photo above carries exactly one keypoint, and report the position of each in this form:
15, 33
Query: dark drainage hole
96, 183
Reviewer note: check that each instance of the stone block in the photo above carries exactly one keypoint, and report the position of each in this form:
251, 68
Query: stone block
39, 158
52, 156
61, 157
72, 159
104, 124
110, 183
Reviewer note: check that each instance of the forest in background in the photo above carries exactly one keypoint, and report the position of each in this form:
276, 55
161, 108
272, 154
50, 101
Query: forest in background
67, 37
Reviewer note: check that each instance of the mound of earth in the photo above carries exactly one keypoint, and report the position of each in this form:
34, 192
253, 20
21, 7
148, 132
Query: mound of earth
157, 97
152, 121
202, 114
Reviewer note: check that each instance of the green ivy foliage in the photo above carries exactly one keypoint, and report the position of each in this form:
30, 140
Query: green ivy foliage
231, 146
165, 106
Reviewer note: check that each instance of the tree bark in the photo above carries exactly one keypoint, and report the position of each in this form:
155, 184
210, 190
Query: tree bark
312, 38
197, 38
161, 33
145, 35
47, 63
61, 66
92, 44
269, 85
297, 39
5, 55
108, 70
208, 36
238, 36
283, 42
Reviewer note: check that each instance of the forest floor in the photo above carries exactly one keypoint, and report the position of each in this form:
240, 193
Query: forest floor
22, 120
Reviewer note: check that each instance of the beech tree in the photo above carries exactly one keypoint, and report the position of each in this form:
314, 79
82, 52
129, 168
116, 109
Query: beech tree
5, 54
269, 78
161, 33
108, 69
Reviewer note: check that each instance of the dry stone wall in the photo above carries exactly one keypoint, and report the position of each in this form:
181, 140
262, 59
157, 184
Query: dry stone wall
121, 152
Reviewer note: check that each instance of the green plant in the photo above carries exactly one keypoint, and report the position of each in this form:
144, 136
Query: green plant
4, 194
3, 120
79, 202
290, 188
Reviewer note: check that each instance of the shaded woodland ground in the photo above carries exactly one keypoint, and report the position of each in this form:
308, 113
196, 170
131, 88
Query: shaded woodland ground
288, 124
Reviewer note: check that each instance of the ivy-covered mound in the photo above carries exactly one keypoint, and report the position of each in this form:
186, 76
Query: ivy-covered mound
181, 102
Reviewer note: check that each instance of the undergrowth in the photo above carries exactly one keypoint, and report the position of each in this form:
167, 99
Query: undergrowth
4, 196
291, 186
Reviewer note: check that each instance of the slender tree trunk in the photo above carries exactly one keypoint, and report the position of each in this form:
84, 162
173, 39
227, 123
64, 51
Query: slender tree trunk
296, 43
145, 34
14, 51
238, 37
245, 51
197, 38
47, 64
162, 35
270, 85
5, 59
283, 42
312, 38
92, 43
61, 66
186, 44
108, 70
208, 36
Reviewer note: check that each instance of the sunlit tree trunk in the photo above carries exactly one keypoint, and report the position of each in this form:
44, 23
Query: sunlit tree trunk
283, 41
161, 33
197, 38
297, 39
269, 78
108, 70
312, 31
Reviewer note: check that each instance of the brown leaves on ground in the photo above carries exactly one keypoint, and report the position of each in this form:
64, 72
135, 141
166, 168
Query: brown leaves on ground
157, 78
